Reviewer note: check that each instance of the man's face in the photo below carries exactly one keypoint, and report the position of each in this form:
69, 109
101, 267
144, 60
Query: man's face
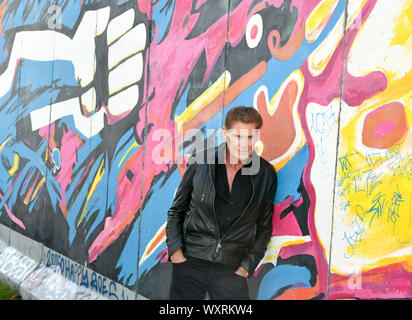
240, 139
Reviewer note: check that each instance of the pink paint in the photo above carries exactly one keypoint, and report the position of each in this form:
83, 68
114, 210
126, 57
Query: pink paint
383, 129
170, 75
254, 32
145, 7
281, 206
36, 179
256, 273
16, 67
164, 253
322, 90
304, 7
297, 249
287, 226
165, 69
384, 283
199, 3
12, 216
26, 181
44, 132
14, 183
299, 202
70, 143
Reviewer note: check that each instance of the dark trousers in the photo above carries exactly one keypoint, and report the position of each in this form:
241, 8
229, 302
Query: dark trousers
194, 277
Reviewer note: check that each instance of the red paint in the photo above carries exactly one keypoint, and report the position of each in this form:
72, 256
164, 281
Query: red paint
254, 32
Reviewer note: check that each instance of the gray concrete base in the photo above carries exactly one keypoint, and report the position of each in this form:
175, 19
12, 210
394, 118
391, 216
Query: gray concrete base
39, 273
46, 284
15, 267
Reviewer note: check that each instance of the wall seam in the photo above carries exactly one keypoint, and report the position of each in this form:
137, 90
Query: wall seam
225, 64
85, 262
48, 139
337, 143
145, 134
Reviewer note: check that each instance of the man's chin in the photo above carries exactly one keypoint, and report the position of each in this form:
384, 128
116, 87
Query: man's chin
241, 159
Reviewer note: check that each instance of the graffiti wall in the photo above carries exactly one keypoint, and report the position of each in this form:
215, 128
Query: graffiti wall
91, 90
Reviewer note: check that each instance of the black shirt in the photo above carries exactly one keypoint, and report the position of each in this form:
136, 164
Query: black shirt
230, 205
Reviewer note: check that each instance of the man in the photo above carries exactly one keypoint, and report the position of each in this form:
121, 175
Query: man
220, 222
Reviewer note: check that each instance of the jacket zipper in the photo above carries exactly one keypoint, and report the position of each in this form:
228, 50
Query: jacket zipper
219, 244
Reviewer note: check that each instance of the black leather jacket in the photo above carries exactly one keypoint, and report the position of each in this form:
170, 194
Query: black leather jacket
192, 223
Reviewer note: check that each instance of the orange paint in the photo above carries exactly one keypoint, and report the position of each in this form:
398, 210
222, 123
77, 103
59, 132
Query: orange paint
157, 241
2, 11
278, 131
29, 193
300, 293
42, 182
290, 48
385, 127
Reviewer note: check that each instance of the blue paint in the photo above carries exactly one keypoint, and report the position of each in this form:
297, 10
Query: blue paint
155, 211
278, 71
181, 107
96, 203
290, 175
281, 277
70, 14
152, 218
162, 16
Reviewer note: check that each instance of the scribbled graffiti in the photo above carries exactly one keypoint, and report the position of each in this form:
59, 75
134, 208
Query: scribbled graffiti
86, 84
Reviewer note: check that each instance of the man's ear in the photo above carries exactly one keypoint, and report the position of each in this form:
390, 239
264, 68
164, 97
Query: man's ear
224, 133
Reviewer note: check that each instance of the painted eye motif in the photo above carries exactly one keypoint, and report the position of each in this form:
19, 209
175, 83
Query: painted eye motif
56, 159
385, 126
254, 31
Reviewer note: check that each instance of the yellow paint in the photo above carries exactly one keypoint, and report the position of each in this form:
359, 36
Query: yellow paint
29, 193
203, 100
96, 181
13, 170
276, 243
376, 185
372, 215
149, 251
41, 183
259, 147
320, 58
27, 198
319, 18
133, 146
403, 26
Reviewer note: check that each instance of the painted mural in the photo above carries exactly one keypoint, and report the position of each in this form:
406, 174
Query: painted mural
90, 90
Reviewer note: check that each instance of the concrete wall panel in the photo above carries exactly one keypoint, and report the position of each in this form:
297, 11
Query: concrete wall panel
102, 101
